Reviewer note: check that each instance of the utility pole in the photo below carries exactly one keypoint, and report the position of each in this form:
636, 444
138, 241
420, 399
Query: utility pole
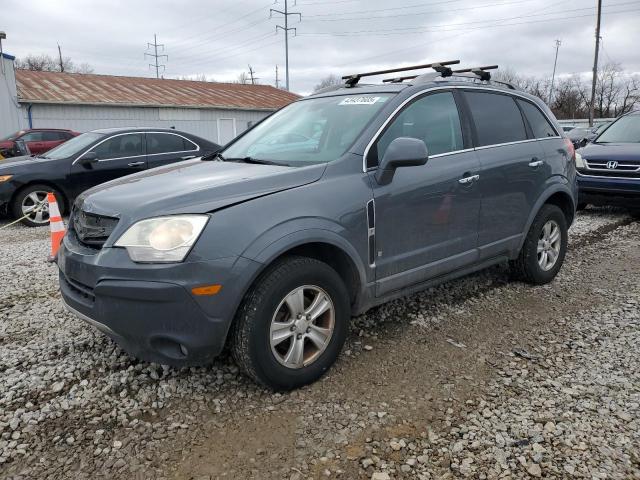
553, 76
253, 78
60, 57
277, 79
286, 30
595, 67
155, 55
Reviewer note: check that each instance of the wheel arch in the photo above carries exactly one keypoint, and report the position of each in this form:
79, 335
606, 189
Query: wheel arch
64, 208
557, 194
323, 245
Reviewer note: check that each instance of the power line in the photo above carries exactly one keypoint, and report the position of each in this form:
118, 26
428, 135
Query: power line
277, 78
286, 30
464, 26
156, 56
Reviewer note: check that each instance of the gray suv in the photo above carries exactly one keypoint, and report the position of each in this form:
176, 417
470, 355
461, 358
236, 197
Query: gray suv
335, 204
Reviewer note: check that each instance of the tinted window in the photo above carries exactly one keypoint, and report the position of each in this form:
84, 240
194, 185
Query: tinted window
497, 118
53, 136
539, 123
121, 146
433, 119
165, 143
33, 137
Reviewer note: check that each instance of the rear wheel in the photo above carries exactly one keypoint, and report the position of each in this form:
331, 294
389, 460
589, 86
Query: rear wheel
544, 248
31, 203
292, 325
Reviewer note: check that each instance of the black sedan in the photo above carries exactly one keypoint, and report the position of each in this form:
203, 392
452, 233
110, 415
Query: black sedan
88, 160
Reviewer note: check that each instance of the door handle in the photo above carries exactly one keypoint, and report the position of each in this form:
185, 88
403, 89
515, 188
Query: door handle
136, 164
468, 180
535, 163
187, 157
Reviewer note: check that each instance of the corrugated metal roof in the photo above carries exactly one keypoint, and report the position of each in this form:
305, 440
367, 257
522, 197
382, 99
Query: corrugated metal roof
90, 89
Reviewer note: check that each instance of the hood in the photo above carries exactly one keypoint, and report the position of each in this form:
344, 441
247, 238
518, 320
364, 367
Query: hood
611, 151
6, 144
9, 164
194, 186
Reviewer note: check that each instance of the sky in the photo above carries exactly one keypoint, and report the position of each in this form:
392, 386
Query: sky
221, 38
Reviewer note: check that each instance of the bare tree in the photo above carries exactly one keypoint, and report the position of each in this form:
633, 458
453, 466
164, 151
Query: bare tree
328, 81
47, 63
196, 78
243, 79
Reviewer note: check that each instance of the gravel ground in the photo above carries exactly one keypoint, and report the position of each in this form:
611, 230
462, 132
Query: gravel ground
477, 378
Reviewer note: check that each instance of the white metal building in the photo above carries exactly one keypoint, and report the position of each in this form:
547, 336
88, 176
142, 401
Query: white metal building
83, 102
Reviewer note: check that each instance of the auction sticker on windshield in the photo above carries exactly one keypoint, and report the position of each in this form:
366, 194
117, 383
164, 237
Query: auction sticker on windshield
359, 101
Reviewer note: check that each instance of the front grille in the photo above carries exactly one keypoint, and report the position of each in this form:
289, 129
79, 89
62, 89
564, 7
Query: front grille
606, 168
90, 229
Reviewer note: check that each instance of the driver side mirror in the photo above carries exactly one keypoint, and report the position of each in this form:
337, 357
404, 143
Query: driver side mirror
401, 152
89, 159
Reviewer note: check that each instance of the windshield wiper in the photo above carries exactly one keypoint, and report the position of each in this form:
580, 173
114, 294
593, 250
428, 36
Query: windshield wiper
258, 161
214, 156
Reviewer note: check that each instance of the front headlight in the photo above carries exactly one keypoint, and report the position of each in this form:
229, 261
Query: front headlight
162, 239
5, 178
580, 162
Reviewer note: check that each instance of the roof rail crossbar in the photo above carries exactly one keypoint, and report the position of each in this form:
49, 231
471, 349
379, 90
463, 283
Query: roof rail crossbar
399, 79
352, 80
480, 72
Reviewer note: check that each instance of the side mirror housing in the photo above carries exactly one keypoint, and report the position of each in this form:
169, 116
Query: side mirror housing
89, 158
401, 152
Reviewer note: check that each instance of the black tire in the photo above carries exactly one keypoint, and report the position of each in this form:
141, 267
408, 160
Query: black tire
250, 335
17, 202
581, 206
527, 267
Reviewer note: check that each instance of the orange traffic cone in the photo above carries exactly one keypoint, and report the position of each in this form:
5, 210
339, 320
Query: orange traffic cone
56, 224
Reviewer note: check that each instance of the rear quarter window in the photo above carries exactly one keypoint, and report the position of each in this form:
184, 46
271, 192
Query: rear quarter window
538, 122
497, 118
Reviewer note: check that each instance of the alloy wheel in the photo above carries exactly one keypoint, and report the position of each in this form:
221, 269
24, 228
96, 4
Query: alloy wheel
549, 245
302, 326
36, 207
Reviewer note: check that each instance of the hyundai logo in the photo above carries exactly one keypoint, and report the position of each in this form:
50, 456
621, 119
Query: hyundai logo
612, 164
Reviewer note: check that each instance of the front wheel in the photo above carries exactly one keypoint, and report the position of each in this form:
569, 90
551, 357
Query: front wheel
292, 325
31, 205
544, 248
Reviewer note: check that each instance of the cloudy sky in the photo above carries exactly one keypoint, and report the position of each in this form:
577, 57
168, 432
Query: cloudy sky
220, 38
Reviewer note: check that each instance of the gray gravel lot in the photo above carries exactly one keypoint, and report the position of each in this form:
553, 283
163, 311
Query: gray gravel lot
477, 378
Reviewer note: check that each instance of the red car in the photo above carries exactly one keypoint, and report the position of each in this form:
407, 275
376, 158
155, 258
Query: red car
39, 140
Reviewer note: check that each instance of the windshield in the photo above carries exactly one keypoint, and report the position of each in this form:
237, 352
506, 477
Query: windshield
10, 137
623, 130
317, 130
73, 146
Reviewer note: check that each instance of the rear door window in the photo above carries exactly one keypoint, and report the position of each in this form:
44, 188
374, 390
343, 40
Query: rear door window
497, 118
538, 122
166, 143
433, 118
129, 145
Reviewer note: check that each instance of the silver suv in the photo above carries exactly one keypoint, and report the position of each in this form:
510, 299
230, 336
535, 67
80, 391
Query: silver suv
336, 203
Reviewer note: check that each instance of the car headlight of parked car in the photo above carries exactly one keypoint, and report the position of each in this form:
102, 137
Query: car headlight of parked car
580, 165
162, 239
4, 178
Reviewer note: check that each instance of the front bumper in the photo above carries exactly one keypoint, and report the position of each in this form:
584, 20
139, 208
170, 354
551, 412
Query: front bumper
148, 309
616, 191
6, 192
